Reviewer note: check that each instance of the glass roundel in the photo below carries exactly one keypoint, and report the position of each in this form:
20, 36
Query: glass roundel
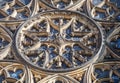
59, 40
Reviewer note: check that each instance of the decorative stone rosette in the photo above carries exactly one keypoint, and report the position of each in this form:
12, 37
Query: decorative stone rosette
59, 41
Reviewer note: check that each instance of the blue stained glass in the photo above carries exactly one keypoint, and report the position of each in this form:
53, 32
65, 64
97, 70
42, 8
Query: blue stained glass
118, 70
7, 0
43, 38
76, 39
115, 78
118, 18
112, 12
2, 16
16, 6
53, 33
105, 6
52, 30
25, 1
42, 24
22, 15
78, 62
64, 65
76, 48
54, 66
78, 24
113, 44
118, 43
100, 15
40, 62
68, 31
5, 43
2, 77
68, 56
52, 37
3, 2
102, 74
56, 21
51, 48
61, 5
43, 47
64, 21
68, 36
96, 2
15, 74
118, 3
1, 43
68, 49
9, 11
52, 55
113, 1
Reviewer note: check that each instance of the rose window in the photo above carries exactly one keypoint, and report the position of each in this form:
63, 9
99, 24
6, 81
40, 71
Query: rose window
59, 40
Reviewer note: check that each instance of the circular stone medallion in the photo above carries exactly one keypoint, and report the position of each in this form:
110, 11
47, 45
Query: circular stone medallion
59, 41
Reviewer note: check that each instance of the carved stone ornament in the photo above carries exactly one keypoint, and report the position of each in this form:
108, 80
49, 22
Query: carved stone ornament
59, 40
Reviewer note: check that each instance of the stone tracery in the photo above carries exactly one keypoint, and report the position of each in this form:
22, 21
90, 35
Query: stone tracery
59, 42
76, 42
15, 9
105, 10
105, 72
12, 72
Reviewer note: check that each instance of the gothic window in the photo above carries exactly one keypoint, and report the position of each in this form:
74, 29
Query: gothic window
59, 41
